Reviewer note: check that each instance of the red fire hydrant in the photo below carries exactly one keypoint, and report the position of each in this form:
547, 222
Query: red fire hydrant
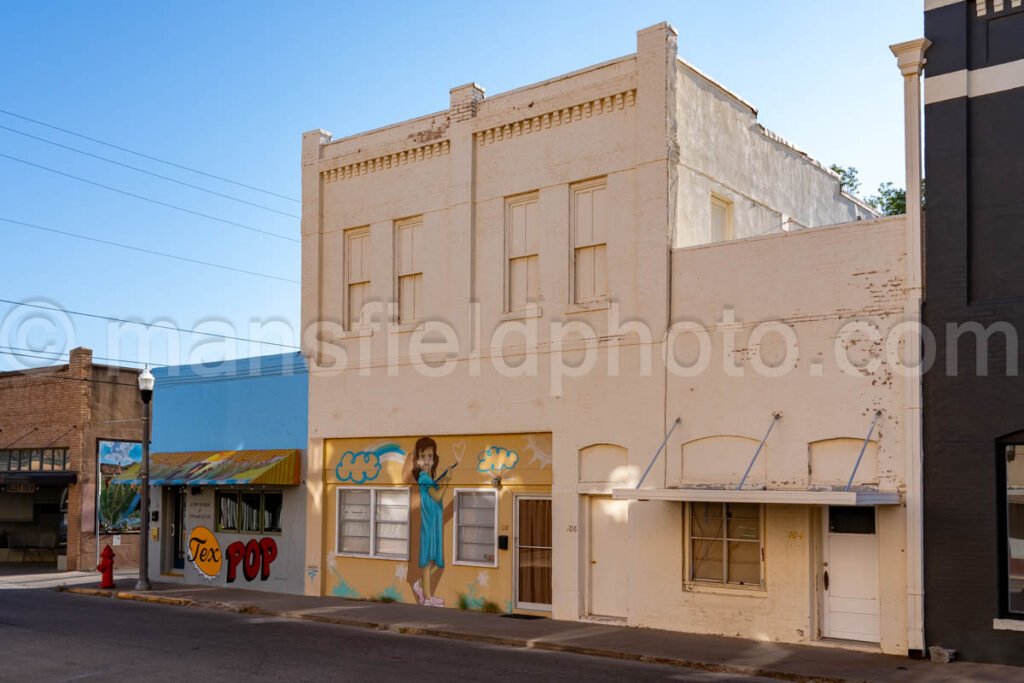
106, 567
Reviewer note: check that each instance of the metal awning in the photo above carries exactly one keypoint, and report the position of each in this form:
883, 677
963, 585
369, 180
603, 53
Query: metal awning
219, 468
852, 497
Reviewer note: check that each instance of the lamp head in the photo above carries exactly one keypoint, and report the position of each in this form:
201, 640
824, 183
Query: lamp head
146, 383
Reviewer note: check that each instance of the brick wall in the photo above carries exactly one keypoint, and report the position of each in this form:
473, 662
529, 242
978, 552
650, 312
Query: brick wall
59, 407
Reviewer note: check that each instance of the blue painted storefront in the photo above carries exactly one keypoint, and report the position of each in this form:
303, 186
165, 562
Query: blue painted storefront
214, 526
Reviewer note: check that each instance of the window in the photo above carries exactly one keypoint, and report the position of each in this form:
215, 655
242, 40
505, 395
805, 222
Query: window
522, 246
589, 220
476, 516
250, 512
721, 219
1015, 527
725, 543
33, 459
373, 522
357, 273
409, 260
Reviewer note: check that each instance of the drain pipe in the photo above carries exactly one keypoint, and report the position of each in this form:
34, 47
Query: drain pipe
910, 60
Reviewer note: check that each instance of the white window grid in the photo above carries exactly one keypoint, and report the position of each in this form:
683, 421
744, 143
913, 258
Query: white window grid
372, 520
459, 494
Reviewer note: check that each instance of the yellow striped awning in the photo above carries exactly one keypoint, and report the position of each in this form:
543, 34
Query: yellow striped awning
220, 468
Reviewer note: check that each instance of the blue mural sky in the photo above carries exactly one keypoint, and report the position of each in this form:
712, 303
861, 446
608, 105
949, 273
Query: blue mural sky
229, 87
123, 453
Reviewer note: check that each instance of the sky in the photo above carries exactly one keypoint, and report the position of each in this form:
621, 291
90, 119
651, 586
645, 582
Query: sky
228, 88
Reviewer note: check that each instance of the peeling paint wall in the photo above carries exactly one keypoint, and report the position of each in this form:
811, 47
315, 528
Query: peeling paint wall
724, 150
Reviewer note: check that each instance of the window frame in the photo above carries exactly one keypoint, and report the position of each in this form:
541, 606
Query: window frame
574, 246
414, 223
218, 493
35, 459
1003, 523
726, 205
456, 525
350, 235
372, 553
511, 202
689, 581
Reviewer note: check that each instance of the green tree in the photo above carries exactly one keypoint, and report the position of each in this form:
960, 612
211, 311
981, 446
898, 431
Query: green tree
848, 180
890, 200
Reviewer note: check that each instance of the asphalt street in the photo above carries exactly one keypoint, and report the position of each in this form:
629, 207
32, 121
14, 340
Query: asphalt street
50, 636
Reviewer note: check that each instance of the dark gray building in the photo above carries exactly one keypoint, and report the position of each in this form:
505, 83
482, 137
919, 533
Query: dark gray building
974, 306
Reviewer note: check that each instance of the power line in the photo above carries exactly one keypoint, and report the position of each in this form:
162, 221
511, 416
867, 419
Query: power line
147, 251
149, 173
147, 156
60, 355
149, 199
142, 324
56, 377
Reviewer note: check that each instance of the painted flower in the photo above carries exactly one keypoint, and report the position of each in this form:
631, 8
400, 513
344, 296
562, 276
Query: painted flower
482, 578
401, 571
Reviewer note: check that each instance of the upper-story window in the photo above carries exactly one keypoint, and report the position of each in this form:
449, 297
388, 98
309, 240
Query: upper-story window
589, 231
357, 273
522, 252
33, 459
721, 219
409, 266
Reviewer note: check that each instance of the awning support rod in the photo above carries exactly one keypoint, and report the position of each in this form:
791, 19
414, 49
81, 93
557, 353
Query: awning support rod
675, 424
863, 447
775, 418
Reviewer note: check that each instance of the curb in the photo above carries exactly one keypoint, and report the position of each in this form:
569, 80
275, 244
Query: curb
455, 635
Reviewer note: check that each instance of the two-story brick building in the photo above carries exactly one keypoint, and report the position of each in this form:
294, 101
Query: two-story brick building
56, 424
603, 347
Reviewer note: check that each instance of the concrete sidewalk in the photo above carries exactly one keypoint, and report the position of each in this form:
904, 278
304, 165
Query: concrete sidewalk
710, 653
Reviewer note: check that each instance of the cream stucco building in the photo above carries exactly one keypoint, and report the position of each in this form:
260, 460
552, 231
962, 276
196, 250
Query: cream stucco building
605, 348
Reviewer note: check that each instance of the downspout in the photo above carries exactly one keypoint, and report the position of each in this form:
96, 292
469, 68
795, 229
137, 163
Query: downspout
910, 60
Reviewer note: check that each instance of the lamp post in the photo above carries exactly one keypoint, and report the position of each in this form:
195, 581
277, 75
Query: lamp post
146, 382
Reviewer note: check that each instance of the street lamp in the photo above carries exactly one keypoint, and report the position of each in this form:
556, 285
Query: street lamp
146, 382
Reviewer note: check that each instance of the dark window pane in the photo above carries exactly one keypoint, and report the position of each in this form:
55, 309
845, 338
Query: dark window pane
851, 520
272, 503
249, 511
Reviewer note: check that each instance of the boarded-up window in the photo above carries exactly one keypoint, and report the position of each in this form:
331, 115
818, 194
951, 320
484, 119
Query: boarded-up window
409, 259
721, 219
589, 218
357, 273
522, 251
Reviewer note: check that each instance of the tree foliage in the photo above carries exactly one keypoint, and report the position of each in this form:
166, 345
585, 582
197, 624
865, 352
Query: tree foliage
889, 200
848, 180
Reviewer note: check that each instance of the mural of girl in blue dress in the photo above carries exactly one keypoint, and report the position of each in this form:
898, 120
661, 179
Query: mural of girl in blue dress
422, 463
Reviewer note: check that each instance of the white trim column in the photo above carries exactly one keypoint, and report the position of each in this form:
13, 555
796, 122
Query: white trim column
910, 60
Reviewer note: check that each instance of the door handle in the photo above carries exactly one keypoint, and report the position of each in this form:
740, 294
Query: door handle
826, 579
172, 533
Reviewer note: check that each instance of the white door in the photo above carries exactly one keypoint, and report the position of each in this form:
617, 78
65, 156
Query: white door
850, 577
607, 521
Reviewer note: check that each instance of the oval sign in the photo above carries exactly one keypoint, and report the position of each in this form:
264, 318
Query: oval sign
204, 552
